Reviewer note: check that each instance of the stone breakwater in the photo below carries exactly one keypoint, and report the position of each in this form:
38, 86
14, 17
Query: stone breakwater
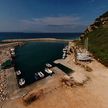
13, 44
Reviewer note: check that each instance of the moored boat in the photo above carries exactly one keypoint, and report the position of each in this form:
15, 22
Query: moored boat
21, 81
12, 49
48, 65
41, 75
48, 71
36, 76
18, 72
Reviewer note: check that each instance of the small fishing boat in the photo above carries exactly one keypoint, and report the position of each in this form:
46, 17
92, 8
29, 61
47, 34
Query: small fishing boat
66, 48
18, 72
64, 55
41, 75
64, 51
21, 81
48, 65
12, 49
36, 76
13, 53
48, 71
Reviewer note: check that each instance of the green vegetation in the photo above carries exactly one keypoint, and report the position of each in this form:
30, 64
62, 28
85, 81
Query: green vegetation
98, 38
98, 44
7, 64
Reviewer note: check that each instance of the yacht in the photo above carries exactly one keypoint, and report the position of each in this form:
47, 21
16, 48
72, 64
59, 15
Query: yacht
41, 75
48, 71
18, 72
21, 81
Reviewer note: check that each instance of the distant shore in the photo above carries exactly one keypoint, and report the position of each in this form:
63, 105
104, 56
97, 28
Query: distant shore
37, 39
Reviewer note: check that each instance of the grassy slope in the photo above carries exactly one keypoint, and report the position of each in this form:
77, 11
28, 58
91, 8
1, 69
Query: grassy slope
98, 44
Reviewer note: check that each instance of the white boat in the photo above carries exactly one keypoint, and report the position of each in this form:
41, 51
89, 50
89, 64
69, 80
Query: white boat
48, 71
12, 49
21, 81
13, 53
18, 72
64, 55
64, 49
48, 65
36, 76
41, 75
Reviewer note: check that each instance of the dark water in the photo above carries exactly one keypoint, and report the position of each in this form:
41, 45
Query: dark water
32, 57
39, 35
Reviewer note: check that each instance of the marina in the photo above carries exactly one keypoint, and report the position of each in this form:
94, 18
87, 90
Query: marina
41, 62
53, 55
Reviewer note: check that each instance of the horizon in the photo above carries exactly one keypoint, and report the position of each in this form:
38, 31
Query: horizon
49, 16
47, 32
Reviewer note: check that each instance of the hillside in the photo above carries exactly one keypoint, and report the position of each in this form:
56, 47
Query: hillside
97, 34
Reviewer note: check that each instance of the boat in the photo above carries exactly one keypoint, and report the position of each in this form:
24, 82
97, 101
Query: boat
48, 65
64, 55
21, 81
36, 76
66, 48
64, 51
41, 75
13, 53
48, 71
12, 49
18, 72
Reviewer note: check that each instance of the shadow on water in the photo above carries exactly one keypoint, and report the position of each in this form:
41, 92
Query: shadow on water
64, 68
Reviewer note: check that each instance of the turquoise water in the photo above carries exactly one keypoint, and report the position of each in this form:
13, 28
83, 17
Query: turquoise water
32, 57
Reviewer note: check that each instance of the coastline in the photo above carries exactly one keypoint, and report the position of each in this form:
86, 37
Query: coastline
90, 87
38, 39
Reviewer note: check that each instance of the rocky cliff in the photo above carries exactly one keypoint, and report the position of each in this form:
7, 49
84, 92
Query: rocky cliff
97, 34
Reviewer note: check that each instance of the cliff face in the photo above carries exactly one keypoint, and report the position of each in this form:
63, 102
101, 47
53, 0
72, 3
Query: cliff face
97, 34
101, 21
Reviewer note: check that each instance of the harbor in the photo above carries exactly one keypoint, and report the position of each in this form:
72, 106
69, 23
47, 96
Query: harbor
12, 77
54, 54
67, 74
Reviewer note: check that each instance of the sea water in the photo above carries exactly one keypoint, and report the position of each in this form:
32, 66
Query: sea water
33, 56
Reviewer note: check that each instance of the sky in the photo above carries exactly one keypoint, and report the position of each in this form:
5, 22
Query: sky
49, 15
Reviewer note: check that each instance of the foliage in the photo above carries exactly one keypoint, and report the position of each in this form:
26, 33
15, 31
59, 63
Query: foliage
98, 44
6, 64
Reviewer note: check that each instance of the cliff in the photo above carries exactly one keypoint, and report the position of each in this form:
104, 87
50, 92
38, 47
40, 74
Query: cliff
97, 34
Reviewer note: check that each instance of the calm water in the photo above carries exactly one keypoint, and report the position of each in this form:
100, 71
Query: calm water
39, 35
32, 57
